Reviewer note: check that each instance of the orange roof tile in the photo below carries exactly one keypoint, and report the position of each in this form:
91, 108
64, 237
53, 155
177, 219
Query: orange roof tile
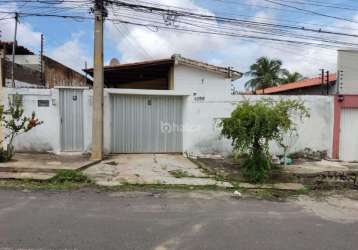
309, 82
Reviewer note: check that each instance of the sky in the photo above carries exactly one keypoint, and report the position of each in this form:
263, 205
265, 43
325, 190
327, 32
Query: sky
71, 42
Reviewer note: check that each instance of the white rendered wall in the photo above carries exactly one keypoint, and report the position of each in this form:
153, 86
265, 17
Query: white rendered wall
347, 66
207, 99
202, 135
46, 137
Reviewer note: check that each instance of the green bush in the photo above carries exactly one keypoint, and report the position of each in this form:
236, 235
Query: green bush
70, 176
253, 125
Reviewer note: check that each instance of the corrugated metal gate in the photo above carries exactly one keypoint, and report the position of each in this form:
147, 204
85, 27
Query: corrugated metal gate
146, 124
71, 112
348, 144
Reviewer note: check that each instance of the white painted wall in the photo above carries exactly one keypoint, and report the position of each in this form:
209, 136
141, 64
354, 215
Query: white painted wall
202, 135
202, 83
347, 66
46, 137
200, 116
25, 59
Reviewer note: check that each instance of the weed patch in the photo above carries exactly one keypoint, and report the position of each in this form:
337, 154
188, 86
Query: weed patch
180, 173
70, 176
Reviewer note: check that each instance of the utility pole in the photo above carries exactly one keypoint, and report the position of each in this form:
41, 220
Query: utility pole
2, 83
327, 80
86, 75
98, 76
41, 60
13, 51
322, 80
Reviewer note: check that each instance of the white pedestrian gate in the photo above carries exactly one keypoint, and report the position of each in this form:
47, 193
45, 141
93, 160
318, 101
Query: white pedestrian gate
71, 114
146, 124
348, 144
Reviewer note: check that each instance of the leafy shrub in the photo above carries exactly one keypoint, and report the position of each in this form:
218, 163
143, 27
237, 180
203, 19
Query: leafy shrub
70, 176
253, 125
16, 123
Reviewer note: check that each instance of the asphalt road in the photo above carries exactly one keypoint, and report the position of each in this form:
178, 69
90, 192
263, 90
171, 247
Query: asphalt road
174, 220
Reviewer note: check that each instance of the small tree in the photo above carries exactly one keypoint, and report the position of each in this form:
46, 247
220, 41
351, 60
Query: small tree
253, 125
16, 123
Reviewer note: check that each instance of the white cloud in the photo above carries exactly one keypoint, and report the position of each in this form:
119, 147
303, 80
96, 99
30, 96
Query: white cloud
71, 53
138, 43
25, 33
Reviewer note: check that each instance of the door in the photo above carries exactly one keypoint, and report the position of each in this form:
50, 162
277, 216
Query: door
146, 124
71, 112
348, 144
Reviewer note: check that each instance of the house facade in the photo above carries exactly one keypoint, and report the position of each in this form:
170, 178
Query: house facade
31, 70
183, 118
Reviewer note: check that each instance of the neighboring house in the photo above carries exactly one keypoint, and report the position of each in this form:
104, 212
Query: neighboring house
157, 74
31, 71
344, 82
309, 86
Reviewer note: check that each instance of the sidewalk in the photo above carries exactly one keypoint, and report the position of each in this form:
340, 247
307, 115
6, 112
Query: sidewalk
41, 166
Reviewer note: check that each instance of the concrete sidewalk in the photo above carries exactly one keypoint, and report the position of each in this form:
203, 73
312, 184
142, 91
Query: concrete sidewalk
41, 166
150, 169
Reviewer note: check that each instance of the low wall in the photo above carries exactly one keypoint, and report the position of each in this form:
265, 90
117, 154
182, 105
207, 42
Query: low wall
46, 137
202, 134
43, 138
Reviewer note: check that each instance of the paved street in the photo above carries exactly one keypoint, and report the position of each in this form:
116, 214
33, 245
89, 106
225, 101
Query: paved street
88, 219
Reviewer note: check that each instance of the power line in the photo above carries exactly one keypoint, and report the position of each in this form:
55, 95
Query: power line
214, 25
311, 11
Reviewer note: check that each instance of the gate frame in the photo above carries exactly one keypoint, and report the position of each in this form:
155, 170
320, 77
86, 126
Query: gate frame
341, 102
111, 93
63, 88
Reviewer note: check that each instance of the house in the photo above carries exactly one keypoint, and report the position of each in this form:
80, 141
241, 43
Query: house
174, 105
308, 86
156, 74
31, 70
344, 82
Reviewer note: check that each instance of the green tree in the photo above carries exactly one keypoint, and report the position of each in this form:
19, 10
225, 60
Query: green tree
290, 77
264, 73
253, 125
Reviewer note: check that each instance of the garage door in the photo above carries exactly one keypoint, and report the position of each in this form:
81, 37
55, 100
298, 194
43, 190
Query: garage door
348, 145
146, 124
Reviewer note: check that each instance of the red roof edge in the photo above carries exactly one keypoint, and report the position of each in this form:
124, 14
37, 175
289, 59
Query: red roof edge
305, 83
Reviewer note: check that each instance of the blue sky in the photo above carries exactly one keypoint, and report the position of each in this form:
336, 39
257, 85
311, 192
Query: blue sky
71, 41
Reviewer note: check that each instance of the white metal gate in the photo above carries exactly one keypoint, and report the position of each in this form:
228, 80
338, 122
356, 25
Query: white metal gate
146, 124
71, 112
348, 143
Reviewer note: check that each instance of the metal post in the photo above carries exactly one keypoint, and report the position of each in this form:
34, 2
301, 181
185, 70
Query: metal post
327, 80
13, 51
322, 80
41, 61
86, 74
2, 83
97, 122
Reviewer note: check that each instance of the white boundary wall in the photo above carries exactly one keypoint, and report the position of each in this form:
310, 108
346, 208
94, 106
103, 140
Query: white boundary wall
46, 137
202, 135
200, 132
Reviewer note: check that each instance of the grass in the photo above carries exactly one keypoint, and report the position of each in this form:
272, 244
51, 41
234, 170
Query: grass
63, 180
72, 180
261, 194
180, 173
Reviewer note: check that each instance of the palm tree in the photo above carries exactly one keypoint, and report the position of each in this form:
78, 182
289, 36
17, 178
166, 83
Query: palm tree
290, 77
265, 73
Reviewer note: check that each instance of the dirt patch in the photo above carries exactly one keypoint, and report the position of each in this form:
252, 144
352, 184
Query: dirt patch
227, 169
337, 208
